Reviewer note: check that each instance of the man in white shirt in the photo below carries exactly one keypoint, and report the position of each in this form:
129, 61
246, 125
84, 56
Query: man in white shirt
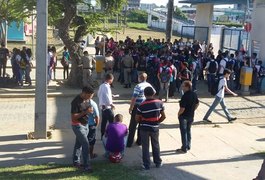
137, 98
222, 64
211, 70
219, 98
105, 102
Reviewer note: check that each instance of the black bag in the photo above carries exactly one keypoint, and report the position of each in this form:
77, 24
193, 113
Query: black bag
214, 89
212, 67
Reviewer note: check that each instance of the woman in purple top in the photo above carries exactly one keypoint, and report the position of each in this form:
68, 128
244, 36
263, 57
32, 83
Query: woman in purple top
115, 134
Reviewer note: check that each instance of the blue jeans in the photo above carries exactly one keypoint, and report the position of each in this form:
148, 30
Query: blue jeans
194, 82
210, 81
81, 144
185, 131
217, 101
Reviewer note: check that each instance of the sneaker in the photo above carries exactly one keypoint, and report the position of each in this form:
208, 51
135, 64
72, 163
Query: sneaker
145, 167
78, 165
88, 170
232, 119
181, 151
207, 121
159, 165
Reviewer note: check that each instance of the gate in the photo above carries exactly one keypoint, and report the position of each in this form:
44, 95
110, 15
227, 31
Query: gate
199, 33
233, 39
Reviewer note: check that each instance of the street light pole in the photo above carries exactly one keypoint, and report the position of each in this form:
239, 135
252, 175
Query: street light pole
41, 71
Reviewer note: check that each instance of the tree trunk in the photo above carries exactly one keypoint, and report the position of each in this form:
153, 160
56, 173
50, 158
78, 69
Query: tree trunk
2, 29
170, 9
75, 78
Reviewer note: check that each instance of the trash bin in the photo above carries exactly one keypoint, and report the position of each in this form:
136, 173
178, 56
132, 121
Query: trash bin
99, 65
246, 76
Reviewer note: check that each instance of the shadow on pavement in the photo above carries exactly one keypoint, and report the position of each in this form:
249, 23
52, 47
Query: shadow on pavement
12, 138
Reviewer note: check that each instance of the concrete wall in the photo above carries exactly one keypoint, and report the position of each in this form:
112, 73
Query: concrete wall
258, 28
204, 16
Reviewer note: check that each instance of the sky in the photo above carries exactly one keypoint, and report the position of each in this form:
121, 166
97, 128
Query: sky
164, 2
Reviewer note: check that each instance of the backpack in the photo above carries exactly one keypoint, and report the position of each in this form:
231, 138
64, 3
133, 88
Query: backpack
23, 63
141, 64
214, 89
262, 71
165, 74
212, 67
230, 64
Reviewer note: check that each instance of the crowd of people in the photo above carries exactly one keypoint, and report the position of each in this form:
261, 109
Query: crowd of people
21, 62
169, 64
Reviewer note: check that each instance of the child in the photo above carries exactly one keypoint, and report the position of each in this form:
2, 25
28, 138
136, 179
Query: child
93, 121
116, 134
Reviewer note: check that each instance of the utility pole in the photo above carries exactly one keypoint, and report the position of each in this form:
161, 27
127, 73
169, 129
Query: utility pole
170, 10
41, 71
32, 37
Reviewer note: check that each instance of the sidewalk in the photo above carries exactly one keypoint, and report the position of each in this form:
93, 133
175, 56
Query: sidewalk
219, 151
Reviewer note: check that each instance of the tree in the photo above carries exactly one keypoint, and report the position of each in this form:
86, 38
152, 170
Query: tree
179, 14
138, 16
14, 11
63, 15
170, 7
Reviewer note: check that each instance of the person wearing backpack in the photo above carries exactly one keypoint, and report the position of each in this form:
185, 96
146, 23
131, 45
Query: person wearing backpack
65, 63
164, 76
4, 53
211, 70
219, 98
230, 65
195, 72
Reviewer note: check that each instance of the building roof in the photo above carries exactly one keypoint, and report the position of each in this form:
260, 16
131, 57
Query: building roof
214, 1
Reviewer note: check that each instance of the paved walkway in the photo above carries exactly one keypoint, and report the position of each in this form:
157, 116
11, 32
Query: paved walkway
219, 151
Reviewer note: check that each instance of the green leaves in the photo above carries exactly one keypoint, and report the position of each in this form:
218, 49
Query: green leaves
16, 10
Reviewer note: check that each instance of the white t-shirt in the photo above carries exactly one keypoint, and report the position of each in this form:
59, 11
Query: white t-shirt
222, 66
221, 87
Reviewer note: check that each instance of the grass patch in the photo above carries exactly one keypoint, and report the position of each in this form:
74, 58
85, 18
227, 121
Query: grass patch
102, 170
139, 26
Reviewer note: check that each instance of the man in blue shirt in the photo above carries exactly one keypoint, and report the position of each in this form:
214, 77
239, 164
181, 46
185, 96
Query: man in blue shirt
137, 98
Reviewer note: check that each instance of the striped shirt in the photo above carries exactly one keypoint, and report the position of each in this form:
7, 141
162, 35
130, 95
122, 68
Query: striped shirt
150, 111
138, 92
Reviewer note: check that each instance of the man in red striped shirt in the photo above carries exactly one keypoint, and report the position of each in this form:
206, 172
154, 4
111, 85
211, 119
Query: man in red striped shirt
149, 115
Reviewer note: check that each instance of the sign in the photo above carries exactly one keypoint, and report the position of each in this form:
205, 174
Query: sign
248, 27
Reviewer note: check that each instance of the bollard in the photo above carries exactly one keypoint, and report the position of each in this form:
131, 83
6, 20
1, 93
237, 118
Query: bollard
99, 66
246, 79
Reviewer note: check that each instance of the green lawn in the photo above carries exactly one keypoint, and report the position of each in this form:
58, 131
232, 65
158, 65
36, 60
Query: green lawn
139, 26
102, 171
